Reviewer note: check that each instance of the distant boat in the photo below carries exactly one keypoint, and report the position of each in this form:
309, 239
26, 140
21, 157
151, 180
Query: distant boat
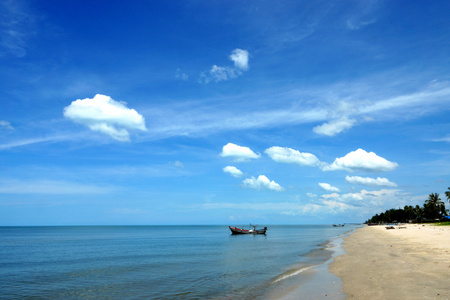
235, 230
338, 225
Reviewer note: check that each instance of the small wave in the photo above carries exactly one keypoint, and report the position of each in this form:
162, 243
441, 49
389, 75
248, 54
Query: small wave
291, 273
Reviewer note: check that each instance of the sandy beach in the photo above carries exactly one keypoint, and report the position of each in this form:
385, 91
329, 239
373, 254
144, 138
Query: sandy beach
408, 263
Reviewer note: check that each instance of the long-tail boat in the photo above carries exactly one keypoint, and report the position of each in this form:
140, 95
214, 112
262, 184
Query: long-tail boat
235, 230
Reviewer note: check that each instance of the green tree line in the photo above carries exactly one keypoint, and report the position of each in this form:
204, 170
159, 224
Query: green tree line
433, 209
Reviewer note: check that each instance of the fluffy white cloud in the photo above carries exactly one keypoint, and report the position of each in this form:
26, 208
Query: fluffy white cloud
291, 156
105, 115
379, 181
240, 58
329, 188
334, 127
262, 182
218, 73
240, 153
233, 171
361, 160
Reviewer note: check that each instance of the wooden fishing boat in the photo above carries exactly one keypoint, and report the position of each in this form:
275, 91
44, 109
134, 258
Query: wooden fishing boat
235, 230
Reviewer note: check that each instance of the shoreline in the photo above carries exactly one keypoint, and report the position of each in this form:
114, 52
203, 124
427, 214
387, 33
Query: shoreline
408, 263
315, 281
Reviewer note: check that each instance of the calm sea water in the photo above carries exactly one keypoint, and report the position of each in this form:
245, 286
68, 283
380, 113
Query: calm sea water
155, 262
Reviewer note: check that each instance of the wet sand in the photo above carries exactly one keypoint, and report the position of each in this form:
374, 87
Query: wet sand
408, 263
313, 282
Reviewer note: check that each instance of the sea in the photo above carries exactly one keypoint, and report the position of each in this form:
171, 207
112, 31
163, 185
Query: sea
169, 262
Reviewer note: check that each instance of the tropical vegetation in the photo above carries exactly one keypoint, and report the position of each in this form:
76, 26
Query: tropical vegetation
432, 210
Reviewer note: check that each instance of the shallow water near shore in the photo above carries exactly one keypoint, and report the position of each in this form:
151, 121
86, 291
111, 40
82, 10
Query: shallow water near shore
170, 262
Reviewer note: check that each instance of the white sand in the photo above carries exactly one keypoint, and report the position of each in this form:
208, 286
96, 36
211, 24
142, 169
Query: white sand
409, 263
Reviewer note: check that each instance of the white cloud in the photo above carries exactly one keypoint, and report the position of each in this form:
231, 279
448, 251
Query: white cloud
328, 206
291, 156
5, 125
240, 58
361, 160
329, 188
18, 25
359, 205
379, 181
369, 199
181, 75
218, 73
334, 127
221, 73
334, 206
262, 182
105, 115
202, 118
443, 139
238, 152
333, 195
357, 24
311, 195
50, 187
178, 164
26, 142
233, 171
352, 196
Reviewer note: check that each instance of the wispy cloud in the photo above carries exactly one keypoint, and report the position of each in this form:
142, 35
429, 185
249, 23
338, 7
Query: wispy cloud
50, 187
422, 100
26, 142
105, 115
340, 106
180, 75
286, 208
361, 203
17, 25
334, 127
443, 139
364, 14
194, 118
5, 125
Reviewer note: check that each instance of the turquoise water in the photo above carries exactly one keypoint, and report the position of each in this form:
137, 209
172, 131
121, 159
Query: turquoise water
155, 262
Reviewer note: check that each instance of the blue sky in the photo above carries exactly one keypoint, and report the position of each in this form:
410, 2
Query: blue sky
221, 112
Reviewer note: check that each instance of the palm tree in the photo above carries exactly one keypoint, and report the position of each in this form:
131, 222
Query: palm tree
447, 194
434, 207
